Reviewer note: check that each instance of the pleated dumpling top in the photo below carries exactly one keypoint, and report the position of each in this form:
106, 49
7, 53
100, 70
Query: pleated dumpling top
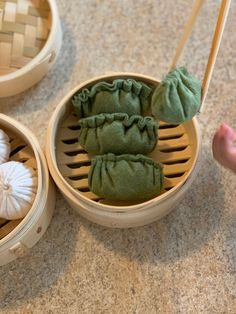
4, 147
126, 96
18, 186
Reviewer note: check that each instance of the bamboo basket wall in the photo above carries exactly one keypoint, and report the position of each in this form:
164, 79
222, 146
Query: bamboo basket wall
177, 150
30, 39
18, 236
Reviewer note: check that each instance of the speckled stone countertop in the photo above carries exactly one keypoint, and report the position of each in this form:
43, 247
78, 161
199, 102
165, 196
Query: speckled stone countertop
184, 263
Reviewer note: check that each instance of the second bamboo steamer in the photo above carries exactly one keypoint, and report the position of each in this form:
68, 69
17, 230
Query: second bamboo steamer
177, 149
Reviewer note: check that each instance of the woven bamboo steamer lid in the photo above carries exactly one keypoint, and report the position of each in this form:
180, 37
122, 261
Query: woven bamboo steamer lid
30, 40
18, 236
177, 149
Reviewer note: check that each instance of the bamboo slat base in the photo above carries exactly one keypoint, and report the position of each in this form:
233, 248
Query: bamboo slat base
173, 151
22, 152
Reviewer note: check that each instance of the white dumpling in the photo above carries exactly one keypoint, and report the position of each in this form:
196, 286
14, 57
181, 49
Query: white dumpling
18, 185
5, 147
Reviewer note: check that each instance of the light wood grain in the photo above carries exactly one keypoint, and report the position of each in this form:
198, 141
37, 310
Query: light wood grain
23, 23
187, 32
7, 228
220, 25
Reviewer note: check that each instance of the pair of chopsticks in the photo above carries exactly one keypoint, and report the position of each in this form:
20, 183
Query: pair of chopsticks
222, 17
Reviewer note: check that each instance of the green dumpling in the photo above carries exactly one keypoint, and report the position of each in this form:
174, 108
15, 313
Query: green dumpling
127, 96
177, 98
125, 177
118, 133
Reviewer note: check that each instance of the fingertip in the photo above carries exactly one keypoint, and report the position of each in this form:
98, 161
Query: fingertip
226, 132
224, 128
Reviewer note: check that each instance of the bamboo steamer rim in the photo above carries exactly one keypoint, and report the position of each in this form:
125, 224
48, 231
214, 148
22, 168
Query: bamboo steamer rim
42, 177
42, 54
138, 211
51, 156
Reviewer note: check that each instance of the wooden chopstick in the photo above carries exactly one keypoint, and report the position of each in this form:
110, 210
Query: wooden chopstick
187, 32
222, 17
220, 25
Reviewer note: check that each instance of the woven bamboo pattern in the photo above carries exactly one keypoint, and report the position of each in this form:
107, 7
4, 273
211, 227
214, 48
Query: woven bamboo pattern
22, 152
24, 29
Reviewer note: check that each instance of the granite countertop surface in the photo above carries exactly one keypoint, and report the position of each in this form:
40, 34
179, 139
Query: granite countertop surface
184, 263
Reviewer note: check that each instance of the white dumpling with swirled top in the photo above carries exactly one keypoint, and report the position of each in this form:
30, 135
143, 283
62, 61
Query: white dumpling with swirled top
4, 147
18, 186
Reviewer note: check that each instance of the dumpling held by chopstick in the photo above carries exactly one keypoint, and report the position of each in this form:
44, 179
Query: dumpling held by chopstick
177, 98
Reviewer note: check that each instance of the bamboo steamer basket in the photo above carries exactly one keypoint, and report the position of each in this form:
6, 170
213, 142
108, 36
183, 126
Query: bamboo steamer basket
18, 236
30, 40
178, 149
